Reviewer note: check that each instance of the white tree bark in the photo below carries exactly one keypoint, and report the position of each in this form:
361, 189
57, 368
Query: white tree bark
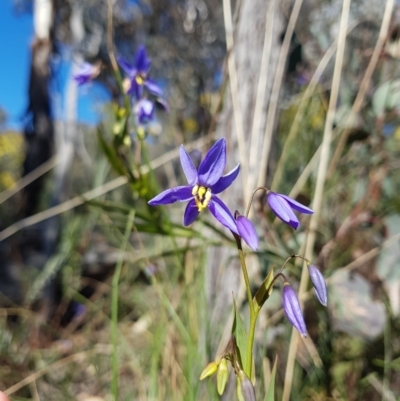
256, 47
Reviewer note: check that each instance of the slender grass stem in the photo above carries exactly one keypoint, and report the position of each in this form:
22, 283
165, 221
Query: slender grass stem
253, 314
319, 189
114, 307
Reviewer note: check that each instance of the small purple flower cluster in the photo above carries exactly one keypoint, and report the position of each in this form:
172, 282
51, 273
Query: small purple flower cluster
205, 183
137, 81
139, 85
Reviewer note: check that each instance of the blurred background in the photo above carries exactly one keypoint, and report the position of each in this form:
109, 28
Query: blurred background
73, 198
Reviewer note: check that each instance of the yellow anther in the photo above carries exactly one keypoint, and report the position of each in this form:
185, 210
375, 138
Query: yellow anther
202, 197
201, 193
139, 80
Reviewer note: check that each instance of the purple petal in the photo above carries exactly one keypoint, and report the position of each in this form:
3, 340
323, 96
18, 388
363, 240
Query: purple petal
221, 212
126, 66
153, 87
319, 285
225, 181
82, 79
187, 165
213, 165
246, 387
292, 309
296, 205
136, 90
142, 63
247, 232
84, 73
163, 103
144, 111
282, 209
177, 194
191, 213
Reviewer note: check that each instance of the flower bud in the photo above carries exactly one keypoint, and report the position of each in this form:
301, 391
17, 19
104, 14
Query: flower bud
318, 283
222, 376
209, 370
292, 309
247, 232
245, 388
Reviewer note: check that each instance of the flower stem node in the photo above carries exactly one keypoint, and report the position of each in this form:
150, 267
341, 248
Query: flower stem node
319, 284
292, 309
245, 388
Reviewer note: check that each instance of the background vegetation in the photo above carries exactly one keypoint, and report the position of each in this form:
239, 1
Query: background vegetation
63, 334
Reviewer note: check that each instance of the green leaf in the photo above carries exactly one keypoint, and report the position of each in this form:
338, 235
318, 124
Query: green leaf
271, 386
263, 292
240, 334
111, 154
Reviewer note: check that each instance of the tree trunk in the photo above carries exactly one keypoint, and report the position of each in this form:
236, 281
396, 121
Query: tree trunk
223, 276
39, 129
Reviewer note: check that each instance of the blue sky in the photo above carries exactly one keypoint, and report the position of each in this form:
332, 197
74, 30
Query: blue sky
15, 39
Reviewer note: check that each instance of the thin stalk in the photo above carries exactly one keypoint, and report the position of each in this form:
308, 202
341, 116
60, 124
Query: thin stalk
253, 314
250, 343
234, 87
114, 306
274, 98
319, 189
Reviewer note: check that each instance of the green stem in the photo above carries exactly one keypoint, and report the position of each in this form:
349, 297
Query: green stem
114, 306
253, 313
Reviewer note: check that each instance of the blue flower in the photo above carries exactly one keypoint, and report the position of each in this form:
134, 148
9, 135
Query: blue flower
144, 111
138, 74
282, 206
86, 72
319, 284
204, 184
292, 309
247, 232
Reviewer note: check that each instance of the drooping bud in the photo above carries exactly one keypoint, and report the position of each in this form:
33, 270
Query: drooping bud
247, 232
245, 388
318, 283
292, 309
209, 370
222, 376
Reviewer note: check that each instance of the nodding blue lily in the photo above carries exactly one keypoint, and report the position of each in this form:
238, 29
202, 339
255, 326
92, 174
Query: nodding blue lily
144, 111
86, 72
247, 232
138, 74
292, 309
319, 284
282, 206
204, 184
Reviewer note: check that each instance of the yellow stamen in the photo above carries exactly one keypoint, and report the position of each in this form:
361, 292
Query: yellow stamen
201, 192
202, 197
139, 80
